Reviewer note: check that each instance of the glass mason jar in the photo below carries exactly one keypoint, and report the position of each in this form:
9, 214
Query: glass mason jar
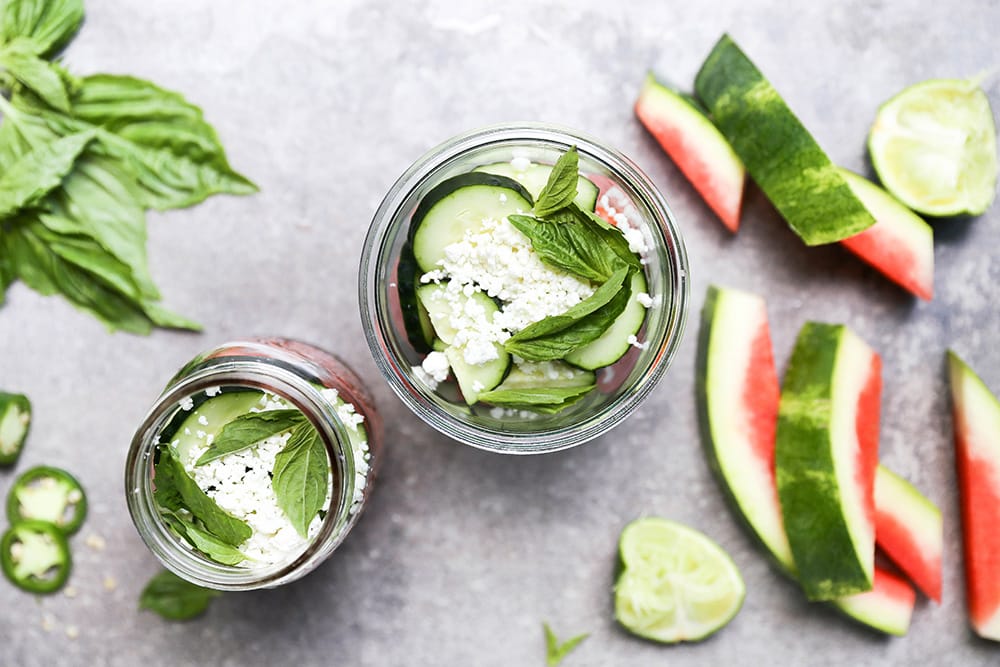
622, 386
292, 375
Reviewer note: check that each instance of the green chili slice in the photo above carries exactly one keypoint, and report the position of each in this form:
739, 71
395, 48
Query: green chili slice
34, 555
15, 418
48, 494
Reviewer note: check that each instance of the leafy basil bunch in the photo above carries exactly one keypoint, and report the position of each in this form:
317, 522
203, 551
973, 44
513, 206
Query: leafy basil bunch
81, 160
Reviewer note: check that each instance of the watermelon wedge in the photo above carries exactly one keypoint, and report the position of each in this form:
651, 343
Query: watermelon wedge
696, 146
738, 399
900, 244
825, 455
909, 530
977, 452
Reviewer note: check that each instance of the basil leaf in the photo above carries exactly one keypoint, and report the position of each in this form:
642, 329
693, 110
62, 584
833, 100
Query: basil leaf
177, 157
560, 189
20, 132
204, 541
569, 246
554, 323
612, 237
48, 24
301, 477
556, 651
43, 269
38, 172
249, 429
224, 526
560, 338
6, 275
534, 395
174, 598
165, 491
34, 73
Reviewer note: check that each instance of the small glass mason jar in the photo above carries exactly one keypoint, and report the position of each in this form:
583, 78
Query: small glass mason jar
621, 386
294, 375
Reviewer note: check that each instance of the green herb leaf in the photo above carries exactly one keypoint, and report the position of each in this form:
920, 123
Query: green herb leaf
548, 400
561, 188
204, 541
165, 491
39, 76
249, 429
556, 336
176, 156
38, 172
48, 24
612, 238
174, 598
570, 246
224, 526
556, 651
301, 477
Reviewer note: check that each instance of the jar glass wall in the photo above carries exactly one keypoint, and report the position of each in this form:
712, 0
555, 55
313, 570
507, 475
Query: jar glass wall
328, 414
621, 387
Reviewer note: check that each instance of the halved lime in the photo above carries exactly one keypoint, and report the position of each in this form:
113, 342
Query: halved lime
934, 147
677, 584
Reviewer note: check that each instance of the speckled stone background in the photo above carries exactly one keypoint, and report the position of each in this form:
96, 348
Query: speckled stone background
462, 554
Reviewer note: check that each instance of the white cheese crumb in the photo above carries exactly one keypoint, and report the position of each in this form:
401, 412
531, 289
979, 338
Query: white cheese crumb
503, 198
477, 386
187, 404
520, 163
634, 342
635, 238
644, 300
424, 377
203, 420
436, 365
213, 391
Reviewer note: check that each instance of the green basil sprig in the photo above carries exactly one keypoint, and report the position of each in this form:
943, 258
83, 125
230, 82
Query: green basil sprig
301, 477
249, 429
561, 188
81, 160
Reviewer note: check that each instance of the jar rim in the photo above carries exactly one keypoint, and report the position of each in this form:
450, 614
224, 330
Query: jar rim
268, 376
390, 220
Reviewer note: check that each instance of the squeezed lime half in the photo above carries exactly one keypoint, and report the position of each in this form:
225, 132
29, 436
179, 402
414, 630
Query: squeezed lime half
677, 584
934, 147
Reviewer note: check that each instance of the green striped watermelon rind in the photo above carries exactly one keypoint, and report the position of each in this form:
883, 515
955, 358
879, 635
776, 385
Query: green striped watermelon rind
977, 412
828, 519
725, 362
779, 153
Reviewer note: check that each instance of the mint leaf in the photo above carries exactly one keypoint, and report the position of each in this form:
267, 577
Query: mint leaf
301, 477
556, 336
560, 189
48, 24
556, 651
37, 75
570, 246
224, 526
38, 172
174, 598
204, 541
249, 429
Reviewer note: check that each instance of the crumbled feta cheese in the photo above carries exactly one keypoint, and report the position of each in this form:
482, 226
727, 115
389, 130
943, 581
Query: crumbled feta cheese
520, 163
187, 404
644, 300
213, 391
634, 342
203, 420
424, 377
436, 365
635, 238
503, 198
478, 386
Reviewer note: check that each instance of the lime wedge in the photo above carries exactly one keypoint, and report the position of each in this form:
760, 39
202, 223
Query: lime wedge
934, 147
677, 584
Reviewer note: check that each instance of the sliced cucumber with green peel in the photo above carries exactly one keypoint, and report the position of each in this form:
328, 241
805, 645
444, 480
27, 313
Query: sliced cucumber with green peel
531, 375
441, 305
474, 379
614, 343
826, 455
534, 176
416, 322
217, 411
777, 150
460, 204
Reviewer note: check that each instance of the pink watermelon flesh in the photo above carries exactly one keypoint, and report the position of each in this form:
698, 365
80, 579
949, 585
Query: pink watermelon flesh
697, 148
977, 451
866, 425
908, 530
900, 244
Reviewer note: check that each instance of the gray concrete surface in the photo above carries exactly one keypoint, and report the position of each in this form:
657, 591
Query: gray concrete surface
462, 554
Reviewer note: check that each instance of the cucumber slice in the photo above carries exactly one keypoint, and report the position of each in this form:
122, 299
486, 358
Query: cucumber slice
217, 412
613, 343
440, 306
439, 345
474, 379
534, 177
547, 374
780, 154
416, 322
460, 204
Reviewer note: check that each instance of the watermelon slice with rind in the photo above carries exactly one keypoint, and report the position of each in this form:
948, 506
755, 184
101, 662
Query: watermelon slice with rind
977, 453
696, 146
